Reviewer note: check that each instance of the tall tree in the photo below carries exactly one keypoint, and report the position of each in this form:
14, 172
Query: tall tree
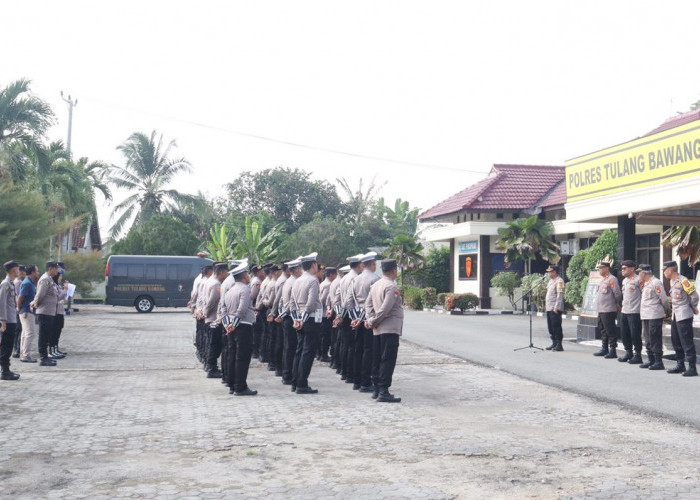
407, 251
327, 236
525, 238
24, 118
147, 172
290, 196
360, 202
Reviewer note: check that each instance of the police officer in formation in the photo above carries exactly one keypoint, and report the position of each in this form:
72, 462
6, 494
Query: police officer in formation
630, 320
294, 311
346, 304
609, 300
331, 314
330, 274
684, 303
8, 319
652, 311
554, 306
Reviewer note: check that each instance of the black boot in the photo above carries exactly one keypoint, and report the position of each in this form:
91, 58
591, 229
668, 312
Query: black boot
648, 363
46, 361
554, 344
692, 370
387, 397
636, 359
557, 347
9, 375
680, 367
626, 357
658, 363
603, 351
612, 354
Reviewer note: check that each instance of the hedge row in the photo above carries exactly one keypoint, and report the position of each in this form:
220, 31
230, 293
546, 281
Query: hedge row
418, 298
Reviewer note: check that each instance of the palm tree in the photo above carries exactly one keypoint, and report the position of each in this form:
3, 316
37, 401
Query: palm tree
359, 203
406, 249
147, 171
24, 118
687, 239
256, 246
524, 239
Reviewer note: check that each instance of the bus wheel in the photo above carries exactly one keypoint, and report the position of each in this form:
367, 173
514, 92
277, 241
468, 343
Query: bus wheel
144, 304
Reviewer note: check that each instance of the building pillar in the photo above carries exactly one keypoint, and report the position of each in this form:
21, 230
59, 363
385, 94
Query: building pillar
486, 272
626, 238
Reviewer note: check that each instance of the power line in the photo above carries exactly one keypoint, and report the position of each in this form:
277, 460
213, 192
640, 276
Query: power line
291, 143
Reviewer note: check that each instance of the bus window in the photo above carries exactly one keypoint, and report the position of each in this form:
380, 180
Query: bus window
135, 270
156, 271
179, 271
118, 271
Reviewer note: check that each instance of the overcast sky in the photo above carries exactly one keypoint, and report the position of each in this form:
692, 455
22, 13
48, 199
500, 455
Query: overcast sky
452, 86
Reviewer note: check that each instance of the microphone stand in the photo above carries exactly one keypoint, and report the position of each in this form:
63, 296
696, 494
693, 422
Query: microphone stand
530, 307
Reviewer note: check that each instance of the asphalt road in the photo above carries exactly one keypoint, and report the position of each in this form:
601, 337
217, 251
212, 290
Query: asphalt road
491, 340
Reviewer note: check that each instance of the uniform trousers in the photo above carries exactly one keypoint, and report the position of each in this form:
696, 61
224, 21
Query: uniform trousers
554, 326
214, 342
631, 332
389, 348
325, 342
347, 349
18, 339
200, 339
58, 328
239, 351
608, 329
333, 341
264, 336
364, 345
46, 325
7, 343
270, 342
652, 330
289, 350
307, 345
257, 334
682, 339
278, 348
29, 328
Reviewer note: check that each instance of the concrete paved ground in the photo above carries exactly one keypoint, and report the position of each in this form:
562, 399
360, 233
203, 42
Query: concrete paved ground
490, 340
130, 415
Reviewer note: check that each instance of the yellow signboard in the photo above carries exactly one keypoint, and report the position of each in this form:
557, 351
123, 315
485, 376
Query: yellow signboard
663, 157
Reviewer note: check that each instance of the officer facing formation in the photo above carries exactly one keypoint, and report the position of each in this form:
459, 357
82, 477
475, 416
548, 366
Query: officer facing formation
652, 311
630, 320
684, 302
8, 319
609, 300
554, 305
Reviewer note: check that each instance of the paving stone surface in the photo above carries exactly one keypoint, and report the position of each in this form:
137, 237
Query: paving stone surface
129, 414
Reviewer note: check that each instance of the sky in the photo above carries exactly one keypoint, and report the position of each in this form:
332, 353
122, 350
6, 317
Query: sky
424, 95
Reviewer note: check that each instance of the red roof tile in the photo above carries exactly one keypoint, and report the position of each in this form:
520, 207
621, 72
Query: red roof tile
677, 121
507, 187
556, 197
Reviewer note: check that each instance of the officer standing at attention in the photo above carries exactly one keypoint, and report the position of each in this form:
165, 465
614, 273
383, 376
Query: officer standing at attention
289, 346
8, 319
630, 321
197, 305
337, 317
609, 299
44, 304
385, 319
325, 290
212, 294
270, 325
255, 283
348, 334
238, 323
364, 344
652, 312
684, 303
18, 331
276, 321
554, 305
307, 315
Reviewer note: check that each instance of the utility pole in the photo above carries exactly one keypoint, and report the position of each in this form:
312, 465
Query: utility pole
71, 104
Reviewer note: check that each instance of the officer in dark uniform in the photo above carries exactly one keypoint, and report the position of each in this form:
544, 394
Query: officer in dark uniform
684, 303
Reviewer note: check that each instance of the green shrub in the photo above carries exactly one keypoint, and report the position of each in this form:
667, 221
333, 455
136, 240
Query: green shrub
441, 297
412, 297
465, 301
506, 282
429, 297
540, 292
